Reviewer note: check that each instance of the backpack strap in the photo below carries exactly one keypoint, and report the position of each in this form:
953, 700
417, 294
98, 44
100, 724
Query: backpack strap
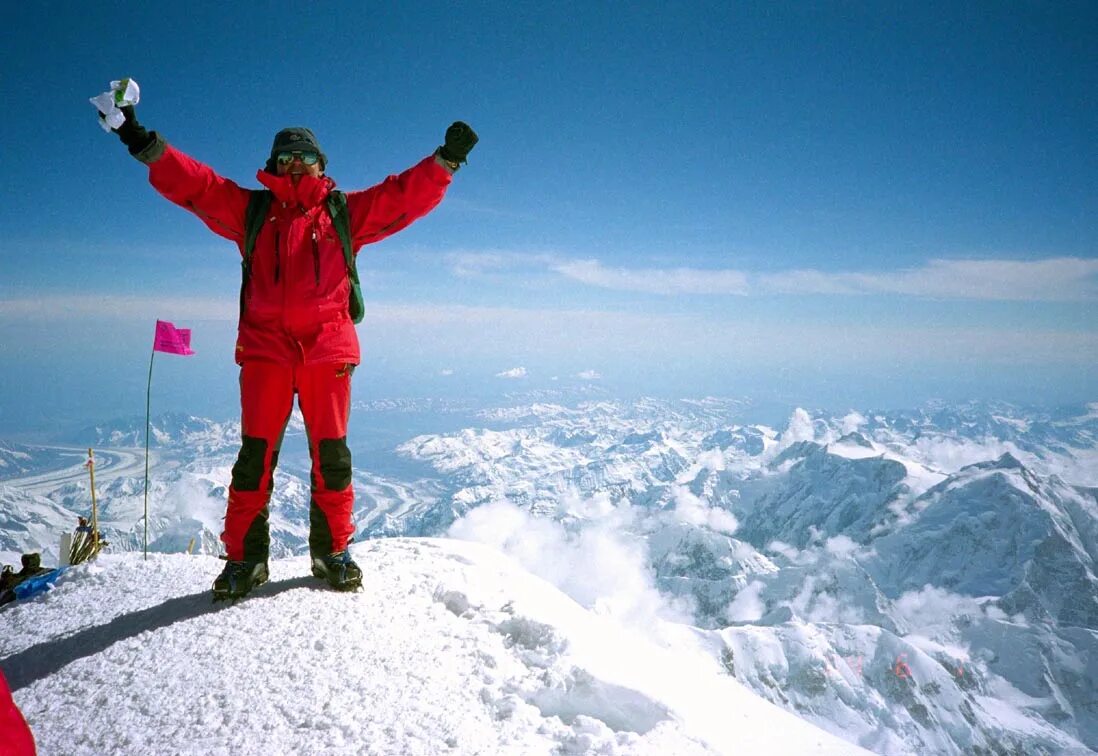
258, 204
341, 221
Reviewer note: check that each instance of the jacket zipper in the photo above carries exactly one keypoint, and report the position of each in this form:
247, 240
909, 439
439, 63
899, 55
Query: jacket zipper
316, 258
278, 256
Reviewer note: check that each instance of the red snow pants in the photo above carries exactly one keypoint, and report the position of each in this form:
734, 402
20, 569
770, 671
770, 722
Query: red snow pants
266, 400
16, 738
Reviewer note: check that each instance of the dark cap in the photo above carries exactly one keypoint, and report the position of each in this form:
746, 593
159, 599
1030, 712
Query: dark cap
295, 139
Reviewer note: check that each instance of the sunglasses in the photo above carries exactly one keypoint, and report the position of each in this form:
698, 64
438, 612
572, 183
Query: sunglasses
308, 158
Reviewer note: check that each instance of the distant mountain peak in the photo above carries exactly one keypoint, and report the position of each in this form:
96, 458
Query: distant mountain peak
798, 450
1006, 461
855, 438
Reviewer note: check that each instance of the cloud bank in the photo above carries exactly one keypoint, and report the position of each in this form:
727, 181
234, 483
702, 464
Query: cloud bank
656, 281
1053, 279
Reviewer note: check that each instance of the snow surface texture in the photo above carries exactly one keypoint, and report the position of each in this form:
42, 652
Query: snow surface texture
450, 648
914, 582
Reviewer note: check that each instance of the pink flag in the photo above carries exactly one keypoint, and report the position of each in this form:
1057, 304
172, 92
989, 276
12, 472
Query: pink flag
171, 339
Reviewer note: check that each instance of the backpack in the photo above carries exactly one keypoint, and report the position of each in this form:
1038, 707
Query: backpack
256, 215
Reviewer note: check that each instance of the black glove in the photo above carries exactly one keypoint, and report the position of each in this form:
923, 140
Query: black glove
459, 141
135, 136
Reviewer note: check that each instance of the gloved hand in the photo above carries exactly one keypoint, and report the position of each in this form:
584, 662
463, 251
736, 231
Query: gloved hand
459, 141
135, 136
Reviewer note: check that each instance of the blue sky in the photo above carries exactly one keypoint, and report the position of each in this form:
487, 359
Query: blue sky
827, 204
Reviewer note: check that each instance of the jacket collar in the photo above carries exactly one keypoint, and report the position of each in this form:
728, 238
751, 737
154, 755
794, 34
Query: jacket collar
309, 192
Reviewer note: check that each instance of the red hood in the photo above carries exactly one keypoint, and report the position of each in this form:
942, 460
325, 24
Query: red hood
309, 192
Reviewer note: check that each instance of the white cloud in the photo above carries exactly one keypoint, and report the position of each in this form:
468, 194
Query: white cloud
474, 264
612, 334
712, 459
1062, 278
800, 428
748, 605
446, 371
452, 332
841, 546
600, 565
790, 552
853, 421
655, 280
518, 372
589, 375
949, 454
592, 507
934, 610
130, 308
818, 606
693, 511
804, 282
1051, 279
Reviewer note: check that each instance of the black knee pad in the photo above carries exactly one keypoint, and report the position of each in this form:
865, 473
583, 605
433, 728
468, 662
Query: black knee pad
248, 470
335, 463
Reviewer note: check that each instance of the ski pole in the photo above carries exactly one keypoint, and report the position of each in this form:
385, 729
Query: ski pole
95, 516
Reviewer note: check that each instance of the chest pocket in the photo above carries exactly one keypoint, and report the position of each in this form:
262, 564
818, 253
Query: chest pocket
326, 252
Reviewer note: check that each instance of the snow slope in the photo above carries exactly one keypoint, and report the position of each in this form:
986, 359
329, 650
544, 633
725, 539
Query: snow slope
450, 648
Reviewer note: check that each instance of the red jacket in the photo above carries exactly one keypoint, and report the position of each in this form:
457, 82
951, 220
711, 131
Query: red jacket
15, 736
296, 301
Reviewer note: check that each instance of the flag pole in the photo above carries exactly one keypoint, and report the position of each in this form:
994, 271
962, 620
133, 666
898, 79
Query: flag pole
148, 405
172, 340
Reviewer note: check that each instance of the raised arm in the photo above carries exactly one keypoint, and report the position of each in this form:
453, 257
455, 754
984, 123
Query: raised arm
219, 202
396, 202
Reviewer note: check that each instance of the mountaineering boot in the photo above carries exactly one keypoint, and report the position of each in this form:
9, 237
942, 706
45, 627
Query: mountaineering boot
339, 570
238, 578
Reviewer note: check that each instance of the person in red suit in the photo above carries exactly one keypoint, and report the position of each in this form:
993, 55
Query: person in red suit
16, 738
296, 333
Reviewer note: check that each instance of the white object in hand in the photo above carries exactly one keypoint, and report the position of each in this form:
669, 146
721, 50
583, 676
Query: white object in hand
123, 92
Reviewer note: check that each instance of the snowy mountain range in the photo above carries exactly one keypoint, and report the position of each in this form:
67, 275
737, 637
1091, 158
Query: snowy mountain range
913, 582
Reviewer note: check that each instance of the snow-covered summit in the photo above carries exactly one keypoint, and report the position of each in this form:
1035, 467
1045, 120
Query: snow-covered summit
450, 648
993, 529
